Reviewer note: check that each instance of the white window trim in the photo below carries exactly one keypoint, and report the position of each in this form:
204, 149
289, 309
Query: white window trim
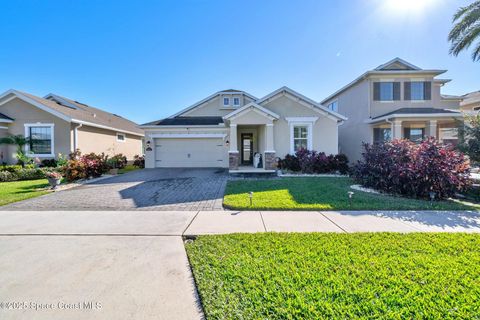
238, 104
309, 126
334, 101
52, 142
223, 101
121, 134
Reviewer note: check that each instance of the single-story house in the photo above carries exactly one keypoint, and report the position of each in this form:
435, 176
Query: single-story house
233, 129
61, 125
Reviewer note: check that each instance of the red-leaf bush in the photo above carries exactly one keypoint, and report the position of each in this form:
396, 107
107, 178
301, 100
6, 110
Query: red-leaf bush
414, 170
139, 161
307, 161
85, 166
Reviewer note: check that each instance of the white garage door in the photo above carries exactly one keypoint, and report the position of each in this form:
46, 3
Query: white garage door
184, 152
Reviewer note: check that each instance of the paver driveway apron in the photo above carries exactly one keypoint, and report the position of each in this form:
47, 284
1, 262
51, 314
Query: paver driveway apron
175, 189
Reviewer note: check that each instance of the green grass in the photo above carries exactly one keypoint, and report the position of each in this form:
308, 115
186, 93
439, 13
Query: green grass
322, 193
338, 276
21, 190
128, 168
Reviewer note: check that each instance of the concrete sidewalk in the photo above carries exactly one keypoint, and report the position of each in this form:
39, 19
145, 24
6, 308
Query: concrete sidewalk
179, 223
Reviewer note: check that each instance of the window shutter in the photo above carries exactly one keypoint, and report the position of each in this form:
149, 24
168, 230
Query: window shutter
406, 133
407, 86
396, 91
427, 86
376, 91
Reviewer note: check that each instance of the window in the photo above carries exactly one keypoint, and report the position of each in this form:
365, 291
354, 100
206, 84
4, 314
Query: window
414, 134
417, 91
40, 141
382, 134
300, 138
386, 91
448, 134
121, 137
236, 101
226, 101
333, 106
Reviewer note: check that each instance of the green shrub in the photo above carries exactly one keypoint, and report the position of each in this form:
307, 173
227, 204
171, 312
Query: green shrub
7, 176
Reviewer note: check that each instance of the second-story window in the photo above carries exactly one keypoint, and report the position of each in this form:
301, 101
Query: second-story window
386, 91
417, 90
236, 102
333, 106
226, 101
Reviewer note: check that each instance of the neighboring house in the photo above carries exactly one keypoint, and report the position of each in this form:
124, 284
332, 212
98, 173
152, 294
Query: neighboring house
471, 102
229, 127
395, 100
60, 125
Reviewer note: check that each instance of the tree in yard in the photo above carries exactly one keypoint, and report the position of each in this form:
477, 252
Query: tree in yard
469, 137
466, 30
19, 141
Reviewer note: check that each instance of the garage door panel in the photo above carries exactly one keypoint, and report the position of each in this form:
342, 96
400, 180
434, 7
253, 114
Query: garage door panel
201, 152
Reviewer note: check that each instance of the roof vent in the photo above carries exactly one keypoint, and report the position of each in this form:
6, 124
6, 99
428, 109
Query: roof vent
94, 115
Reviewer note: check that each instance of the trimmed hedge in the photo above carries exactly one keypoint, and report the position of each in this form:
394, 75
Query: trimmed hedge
21, 174
405, 168
307, 161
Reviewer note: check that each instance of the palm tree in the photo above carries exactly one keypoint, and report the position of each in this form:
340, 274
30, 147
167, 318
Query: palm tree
466, 30
20, 141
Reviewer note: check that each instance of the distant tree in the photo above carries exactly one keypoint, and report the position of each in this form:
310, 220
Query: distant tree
466, 30
469, 137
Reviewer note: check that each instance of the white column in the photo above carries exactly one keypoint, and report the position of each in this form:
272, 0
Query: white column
233, 138
432, 129
269, 138
397, 129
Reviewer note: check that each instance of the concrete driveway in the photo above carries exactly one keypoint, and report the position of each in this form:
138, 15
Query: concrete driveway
150, 189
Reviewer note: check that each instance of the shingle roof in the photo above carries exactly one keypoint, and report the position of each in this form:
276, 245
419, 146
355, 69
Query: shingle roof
418, 111
2, 116
472, 97
186, 121
87, 113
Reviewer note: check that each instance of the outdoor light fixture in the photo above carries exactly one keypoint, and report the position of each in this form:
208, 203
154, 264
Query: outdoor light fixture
250, 195
432, 196
350, 196
227, 143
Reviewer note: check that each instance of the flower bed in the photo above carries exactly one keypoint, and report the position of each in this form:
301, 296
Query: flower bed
313, 162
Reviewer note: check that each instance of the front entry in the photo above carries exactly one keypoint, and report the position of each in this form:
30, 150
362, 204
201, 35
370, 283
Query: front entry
247, 148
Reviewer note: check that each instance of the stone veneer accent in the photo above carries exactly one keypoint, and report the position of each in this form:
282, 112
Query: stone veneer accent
270, 162
233, 160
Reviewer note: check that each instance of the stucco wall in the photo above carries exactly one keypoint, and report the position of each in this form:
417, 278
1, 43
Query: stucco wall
24, 113
324, 135
215, 107
91, 139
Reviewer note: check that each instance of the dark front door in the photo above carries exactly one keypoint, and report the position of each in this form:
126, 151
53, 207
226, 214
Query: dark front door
247, 148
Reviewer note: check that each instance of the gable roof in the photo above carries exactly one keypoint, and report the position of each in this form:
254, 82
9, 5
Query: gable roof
384, 70
252, 105
76, 112
210, 97
307, 101
397, 64
187, 121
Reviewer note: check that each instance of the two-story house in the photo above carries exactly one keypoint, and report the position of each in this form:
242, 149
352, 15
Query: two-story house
395, 100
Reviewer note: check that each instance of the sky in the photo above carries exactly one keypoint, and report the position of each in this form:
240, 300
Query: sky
146, 60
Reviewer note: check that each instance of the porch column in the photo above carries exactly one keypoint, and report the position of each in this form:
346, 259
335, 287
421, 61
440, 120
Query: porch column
270, 163
432, 129
233, 154
397, 129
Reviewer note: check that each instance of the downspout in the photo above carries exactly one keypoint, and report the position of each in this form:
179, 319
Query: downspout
75, 137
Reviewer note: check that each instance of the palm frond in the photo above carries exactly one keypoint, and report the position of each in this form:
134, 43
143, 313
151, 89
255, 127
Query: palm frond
467, 21
466, 40
466, 30
476, 53
463, 10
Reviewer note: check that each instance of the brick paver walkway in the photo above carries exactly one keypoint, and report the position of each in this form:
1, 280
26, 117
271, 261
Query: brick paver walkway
150, 189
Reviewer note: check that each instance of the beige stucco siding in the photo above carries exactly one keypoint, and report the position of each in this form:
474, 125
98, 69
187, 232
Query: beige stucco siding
324, 130
91, 139
24, 113
215, 107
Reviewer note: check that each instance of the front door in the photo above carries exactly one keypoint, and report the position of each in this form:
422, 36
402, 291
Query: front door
247, 148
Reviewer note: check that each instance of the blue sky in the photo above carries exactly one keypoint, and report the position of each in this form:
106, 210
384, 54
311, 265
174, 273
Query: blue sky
146, 60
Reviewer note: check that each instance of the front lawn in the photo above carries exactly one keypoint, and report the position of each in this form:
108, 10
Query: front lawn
321, 193
21, 190
128, 168
338, 276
